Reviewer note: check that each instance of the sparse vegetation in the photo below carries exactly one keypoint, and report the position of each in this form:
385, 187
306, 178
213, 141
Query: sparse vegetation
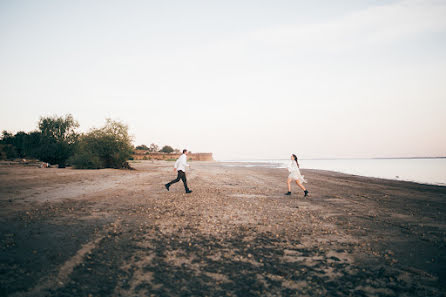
167, 149
57, 142
54, 142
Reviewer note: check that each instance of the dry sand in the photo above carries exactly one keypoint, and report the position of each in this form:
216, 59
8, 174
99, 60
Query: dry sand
68, 232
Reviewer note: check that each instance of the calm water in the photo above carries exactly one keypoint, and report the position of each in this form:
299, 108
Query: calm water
426, 171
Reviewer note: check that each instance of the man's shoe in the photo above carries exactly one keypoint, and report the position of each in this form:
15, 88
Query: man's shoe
289, 193
188, 191
167, 186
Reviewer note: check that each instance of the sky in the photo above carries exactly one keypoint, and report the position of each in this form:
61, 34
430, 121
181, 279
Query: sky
240, 79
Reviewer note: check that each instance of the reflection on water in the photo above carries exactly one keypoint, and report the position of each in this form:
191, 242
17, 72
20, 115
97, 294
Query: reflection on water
427, 171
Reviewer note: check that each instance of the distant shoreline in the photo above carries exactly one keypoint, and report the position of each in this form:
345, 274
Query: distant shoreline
374, 158
428, 171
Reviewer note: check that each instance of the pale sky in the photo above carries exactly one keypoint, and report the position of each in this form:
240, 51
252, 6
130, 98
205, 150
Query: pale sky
241, 79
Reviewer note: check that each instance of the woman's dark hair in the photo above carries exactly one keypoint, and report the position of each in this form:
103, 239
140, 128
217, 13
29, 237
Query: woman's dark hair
185, 150
295, 159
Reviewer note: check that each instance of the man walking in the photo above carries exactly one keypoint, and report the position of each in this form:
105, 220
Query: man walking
180, 167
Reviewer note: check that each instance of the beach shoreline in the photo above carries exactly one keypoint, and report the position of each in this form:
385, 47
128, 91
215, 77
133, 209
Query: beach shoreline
430, 171
120, 233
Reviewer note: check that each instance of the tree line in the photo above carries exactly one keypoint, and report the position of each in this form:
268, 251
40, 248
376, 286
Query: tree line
153, 148
56, 141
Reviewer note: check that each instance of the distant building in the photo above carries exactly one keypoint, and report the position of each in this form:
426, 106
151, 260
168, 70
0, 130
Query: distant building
146, 155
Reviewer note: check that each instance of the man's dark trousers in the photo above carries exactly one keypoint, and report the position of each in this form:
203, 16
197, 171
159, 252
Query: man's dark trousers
182, 176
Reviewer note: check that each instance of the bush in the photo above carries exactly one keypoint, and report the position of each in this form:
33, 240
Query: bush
86, 160
55, 152
32, 144
56, 142
108, 147
19, 142
7, 152
167, 149
57, 139
22, 145
142, 147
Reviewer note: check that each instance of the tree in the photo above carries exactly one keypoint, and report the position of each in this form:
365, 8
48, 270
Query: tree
107, 147
154, 148
7, 138
60, 129
167, 149
142, 147
58, 139
32, 144
20, 145
7, 149
19, 141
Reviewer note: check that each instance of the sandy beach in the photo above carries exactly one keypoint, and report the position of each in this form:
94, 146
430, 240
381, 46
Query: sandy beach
67, 232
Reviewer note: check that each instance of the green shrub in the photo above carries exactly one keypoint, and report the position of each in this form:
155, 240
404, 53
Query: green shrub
111, 145
167, 149
57, 139
7, 152
19, 142
86, 160
33, 141
7, 149
55, 152
142, 147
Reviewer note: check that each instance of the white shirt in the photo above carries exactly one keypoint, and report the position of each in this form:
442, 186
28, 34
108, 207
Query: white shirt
181, 163
292, 167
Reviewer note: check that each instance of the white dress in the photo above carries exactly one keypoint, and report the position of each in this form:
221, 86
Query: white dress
295, 172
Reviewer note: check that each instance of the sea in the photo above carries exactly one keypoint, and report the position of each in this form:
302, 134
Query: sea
420, 170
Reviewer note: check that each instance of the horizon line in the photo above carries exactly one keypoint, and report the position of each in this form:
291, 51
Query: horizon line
336, 158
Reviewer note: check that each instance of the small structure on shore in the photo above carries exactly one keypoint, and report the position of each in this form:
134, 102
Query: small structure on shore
147, 155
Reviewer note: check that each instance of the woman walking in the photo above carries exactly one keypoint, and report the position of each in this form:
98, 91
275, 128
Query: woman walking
295, 175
